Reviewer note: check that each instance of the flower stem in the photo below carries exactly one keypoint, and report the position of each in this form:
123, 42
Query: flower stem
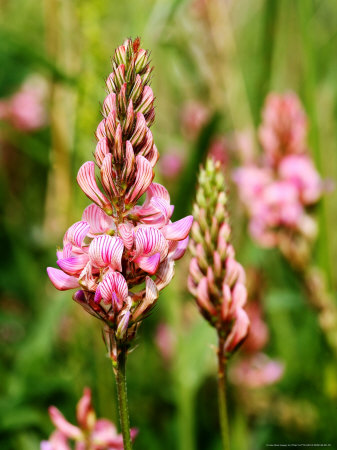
222, 398
120, 373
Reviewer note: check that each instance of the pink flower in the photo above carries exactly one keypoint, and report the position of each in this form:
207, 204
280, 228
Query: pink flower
194, 116
97, 434
171, 164
256, 371
258, 334
119, 244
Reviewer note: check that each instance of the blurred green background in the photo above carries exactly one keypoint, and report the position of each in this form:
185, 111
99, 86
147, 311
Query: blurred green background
223, 56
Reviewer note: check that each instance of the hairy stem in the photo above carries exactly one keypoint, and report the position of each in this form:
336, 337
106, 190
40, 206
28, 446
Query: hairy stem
222, 398
120, 373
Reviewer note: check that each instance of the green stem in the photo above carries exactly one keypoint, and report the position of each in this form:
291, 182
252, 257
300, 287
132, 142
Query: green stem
222, 398
122, 397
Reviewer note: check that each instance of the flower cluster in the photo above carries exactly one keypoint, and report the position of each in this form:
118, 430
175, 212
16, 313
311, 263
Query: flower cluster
216, 279
25, 109
278, 192
120, 245
93, 433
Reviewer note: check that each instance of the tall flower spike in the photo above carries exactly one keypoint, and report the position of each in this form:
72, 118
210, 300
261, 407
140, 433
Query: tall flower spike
118, 245
216, 279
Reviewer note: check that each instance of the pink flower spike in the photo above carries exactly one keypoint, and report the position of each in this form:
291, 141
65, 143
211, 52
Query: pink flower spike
61, 280
76, 233
178, 230
73, 265
149, 263
114, 288
105, 251
97, 219
63, 425
87, 182
144, 177
102, 149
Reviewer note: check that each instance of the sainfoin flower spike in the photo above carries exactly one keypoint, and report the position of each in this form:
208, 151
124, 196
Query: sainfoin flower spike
121, 253
119, 244
90, 432
216, 279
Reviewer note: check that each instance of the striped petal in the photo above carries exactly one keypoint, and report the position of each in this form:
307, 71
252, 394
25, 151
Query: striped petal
73, 265
144, 177
153, 156
87, 182
125, 231
61, 280
108, 176
109, 103
102, 149
151, 295
179, 230
114, 288
149, 264
148, 241
97, 219
164, 274
180, 250
76, 233
106, 251
100, 132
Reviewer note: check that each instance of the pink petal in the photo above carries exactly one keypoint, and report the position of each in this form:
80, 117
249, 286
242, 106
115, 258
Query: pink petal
108, 176
157, 190
63, 425
144, 177
87, 182
239, 330
97, 219
180, 249
164, 273
151, 295
149, 263
203, 299
106, 251
102, 149
148, 241
61, 280
109, 103
73, 265
178, 230
114, 288
84, 410
76, 233
153, 156
140, 130
125, 231
100, 132
57, 441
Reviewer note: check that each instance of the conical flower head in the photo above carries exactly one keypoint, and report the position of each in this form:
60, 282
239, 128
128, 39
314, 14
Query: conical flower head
216, 279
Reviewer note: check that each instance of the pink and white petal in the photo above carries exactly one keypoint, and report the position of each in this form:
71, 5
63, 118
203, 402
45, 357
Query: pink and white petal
106, 251
61, 280
57, 441
164, 273
87, 182
84, 411
144, 177
100, 131
76, 233
151, 295
105, 435
203, 299
157, 190
149, 264
148, 241
180, 249
102, 149
179, 230
126, 233
108, 176
114, 288
73, 265
238, 332
63, 425
97, 219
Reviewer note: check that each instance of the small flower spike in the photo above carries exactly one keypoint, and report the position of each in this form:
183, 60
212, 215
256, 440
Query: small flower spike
216, 279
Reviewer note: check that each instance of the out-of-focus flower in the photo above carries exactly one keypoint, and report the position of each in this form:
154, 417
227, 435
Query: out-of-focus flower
256, 371
165, 341
278, 191
170, 165
25, 110
284, 127
258, 332
194, 116
216, 279
93, 433
120, 245
219, 150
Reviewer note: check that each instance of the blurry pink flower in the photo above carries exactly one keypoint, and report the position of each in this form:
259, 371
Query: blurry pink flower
93, 433
284, 127
194, 116
171, 164
258, 333
165, 341
219, 150
256, 371
25, 109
